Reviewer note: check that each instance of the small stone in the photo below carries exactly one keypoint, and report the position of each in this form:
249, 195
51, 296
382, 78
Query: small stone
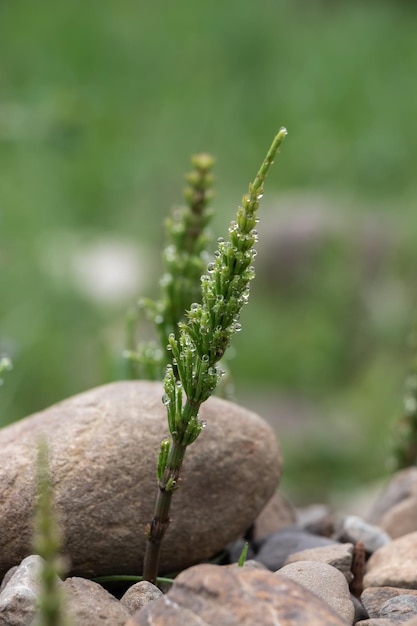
374, 597
318, 519
277, 514
210, 595
360, 611
339, 555
355, 529
394, 565
88, 604
400, 608
139, 595
326, 582
19, 597
103, 448
396, 509
274, 549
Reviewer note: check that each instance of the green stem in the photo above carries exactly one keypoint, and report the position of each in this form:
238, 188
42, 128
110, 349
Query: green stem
159, 525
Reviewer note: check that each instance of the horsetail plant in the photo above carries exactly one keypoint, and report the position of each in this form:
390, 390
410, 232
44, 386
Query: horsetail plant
184, 258
47, 543
198, 344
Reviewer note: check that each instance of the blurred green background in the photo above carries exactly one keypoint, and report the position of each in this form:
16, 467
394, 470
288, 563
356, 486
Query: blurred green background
101, 106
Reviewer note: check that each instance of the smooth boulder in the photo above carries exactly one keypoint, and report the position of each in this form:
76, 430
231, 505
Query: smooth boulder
103, 451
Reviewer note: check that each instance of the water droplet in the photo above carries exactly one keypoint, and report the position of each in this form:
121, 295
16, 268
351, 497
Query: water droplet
203, 423
179, 384
205, 358
254, 252
210, 268
194, 306
171, 336
260, 196
237, 327
166, 399
220, 240
217, 254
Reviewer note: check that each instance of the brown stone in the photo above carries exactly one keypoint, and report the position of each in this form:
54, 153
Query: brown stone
394, 564
139, 595
277, 513
210, 595
374, 597
103, 450
396, 509
88, 604
339, 555
326, 582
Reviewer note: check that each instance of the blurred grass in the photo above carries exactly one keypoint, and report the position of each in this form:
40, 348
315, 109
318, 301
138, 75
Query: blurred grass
101, 105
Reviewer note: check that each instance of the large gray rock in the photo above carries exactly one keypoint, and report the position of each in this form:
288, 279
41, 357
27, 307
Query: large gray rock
103, 450
210, 595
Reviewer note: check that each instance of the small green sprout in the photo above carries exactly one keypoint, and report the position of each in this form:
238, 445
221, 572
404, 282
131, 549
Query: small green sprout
242, 558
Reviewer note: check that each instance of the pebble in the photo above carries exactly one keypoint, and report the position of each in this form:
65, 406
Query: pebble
339, 555
277, 514
402, 607
394, 565
326, 582
374, 597
20, 592
395, 511
88, 604
275, 549
139, 595
355, 529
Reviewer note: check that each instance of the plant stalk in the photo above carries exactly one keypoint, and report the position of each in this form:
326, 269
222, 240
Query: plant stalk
197, 347
160, 522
